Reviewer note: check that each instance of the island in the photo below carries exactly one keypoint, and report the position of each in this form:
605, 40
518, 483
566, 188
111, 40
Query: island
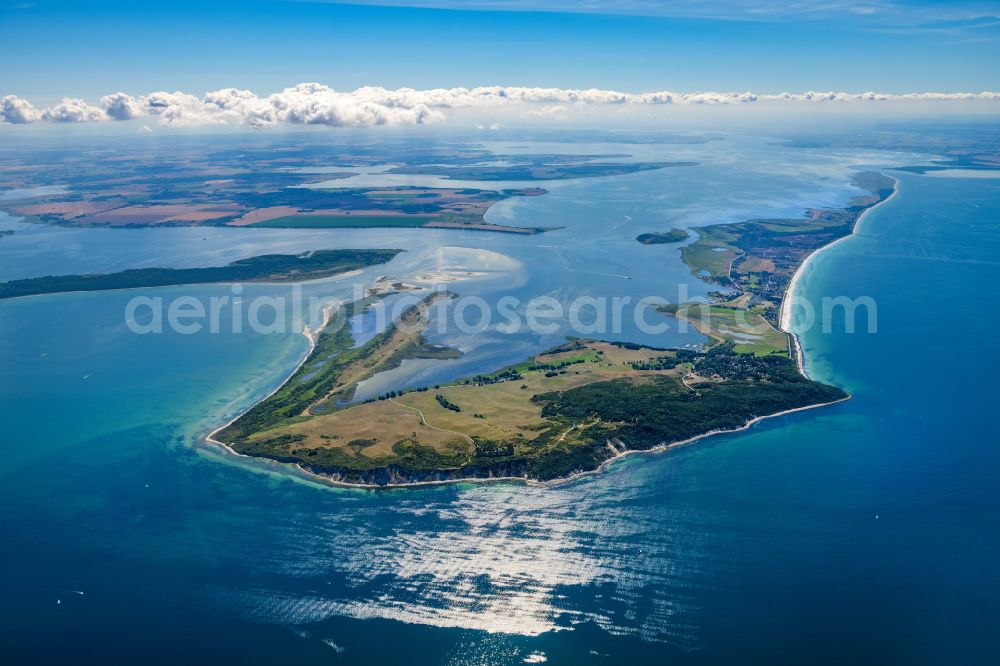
572, 408
275, 268
672, 236
557, 414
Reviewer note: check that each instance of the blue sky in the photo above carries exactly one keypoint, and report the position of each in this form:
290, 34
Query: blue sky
54, 49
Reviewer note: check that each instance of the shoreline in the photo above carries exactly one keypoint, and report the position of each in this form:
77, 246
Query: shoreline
575, 476
312, 337
783, 325
328, 481
784, 316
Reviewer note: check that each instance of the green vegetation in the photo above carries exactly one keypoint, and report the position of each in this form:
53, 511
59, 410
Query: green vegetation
755, 260
263, 268
711, 256
312, 381
345, 221
747, 330
561, 412
640, 416
672, 236
758, 257
334, 368
446, 403
404, 454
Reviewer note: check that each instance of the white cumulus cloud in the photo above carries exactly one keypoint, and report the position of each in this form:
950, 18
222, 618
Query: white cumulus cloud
72, 110
318, 104
120, 106
17, 111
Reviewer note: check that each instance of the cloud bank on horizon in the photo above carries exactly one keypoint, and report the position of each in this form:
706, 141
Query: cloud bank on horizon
317, 104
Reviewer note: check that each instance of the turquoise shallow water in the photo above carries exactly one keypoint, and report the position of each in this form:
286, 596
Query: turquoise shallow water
867, 531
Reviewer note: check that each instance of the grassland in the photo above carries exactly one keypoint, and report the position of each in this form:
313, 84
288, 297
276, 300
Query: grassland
712, 255
335, 366
263, 268
558, 413
735, 322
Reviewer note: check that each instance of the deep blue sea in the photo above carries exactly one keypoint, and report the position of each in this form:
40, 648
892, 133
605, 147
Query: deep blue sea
866, 532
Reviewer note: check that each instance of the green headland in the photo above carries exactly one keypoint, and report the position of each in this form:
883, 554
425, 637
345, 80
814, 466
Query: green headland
557, 414
672, 236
